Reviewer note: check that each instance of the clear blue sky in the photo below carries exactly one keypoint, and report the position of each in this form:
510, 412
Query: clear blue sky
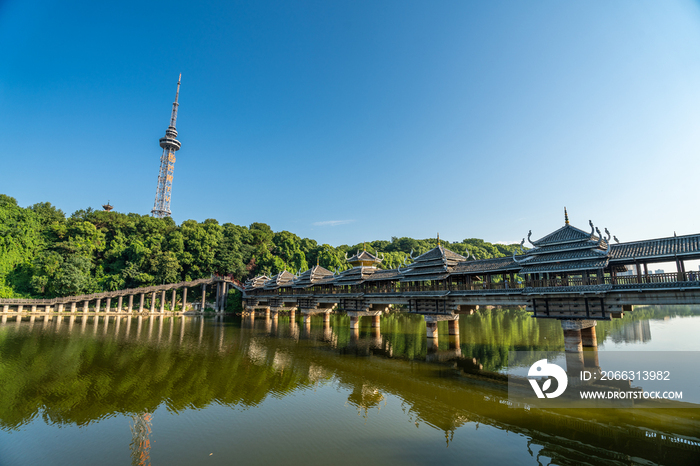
346, 121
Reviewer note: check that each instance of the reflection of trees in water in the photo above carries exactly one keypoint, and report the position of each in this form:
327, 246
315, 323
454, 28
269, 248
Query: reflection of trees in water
140, 439
632, 332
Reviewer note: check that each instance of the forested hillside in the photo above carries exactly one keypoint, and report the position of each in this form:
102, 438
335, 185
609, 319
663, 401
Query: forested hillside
43, 253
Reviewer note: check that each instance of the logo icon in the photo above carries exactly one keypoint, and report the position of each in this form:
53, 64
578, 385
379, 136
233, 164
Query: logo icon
544, 369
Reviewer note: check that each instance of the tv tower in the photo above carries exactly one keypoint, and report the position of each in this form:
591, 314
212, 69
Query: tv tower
170, 145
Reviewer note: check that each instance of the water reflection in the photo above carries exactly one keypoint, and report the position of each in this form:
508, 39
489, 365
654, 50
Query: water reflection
80, 370
633, 332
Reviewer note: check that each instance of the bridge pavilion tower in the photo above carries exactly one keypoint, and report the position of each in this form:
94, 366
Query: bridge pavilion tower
170, 145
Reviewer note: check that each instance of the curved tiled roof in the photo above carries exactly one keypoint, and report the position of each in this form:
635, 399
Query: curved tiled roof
566, 266
354, 276
656, 248
312, 276
278, 280
256, 282
433, 265
487, 265
573, 255
566, 234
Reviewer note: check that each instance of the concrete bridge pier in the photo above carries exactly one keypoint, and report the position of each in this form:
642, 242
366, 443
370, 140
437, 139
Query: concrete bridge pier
5, 308
108, 305
20, 308
61, 308
376, 321
33, 308
86, 306
47, 309
453, 326
573, 338
153, 302
98, 305
354, 322
431, 329
162, 302
292, 313
204, 294
172, 301
73, 307
4, 318
184, 299
120, 302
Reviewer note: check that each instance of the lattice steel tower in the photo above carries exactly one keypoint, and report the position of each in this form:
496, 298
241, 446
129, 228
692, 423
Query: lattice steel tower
170, 145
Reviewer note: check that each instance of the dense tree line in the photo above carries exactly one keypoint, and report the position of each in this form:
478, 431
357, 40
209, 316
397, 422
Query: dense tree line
44, 253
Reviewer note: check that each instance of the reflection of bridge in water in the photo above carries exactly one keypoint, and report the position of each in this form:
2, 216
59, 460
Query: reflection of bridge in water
270, 350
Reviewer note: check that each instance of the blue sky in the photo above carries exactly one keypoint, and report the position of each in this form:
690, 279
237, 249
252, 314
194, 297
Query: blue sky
347, 121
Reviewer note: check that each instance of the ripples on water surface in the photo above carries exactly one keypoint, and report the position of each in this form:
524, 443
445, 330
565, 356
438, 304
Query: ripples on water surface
185, 390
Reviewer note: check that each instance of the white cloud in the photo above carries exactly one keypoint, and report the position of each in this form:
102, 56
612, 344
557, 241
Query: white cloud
332, 223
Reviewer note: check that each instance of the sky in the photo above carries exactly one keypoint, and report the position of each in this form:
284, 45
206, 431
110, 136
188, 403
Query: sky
351, 121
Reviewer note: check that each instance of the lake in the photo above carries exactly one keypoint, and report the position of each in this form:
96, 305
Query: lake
222, 390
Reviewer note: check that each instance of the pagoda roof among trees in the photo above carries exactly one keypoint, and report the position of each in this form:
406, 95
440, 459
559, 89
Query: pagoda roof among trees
364, 258
256, 282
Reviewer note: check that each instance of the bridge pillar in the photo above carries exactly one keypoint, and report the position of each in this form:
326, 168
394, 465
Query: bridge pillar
306, 318
267, 312
162, 302
354, 322
326, 319
431, 329
130, 304
204, 293
120, 301
5, 308
47, 308
153, 302
172, 305
4, 319
217, 306
86, 306
108, 305
73, 307
573, 342
588, 337
60, 307
376, 321
184, 299
20, 308
143, 298
453, 326
292, 314
33, 308
98, 305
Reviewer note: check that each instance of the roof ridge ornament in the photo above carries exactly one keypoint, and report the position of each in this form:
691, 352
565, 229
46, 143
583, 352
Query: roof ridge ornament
566, 217
600, 236
590, 222
607, 233
522, 243
529, 233
616, 240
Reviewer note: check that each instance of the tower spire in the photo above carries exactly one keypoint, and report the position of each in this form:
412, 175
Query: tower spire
173, 115
566, 217
170, 145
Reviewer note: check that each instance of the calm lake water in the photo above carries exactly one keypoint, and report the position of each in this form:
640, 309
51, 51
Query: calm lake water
190, 390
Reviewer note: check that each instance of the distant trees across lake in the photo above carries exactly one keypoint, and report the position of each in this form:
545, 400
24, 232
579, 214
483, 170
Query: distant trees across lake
45, 254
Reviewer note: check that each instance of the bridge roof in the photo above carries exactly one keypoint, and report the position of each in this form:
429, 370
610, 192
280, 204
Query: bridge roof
571, 255
660, 248
435, 264
565, 234
312, 276
354, 276
278, 280
569, 266
498, 264
382, 274
256, 282
363, 258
